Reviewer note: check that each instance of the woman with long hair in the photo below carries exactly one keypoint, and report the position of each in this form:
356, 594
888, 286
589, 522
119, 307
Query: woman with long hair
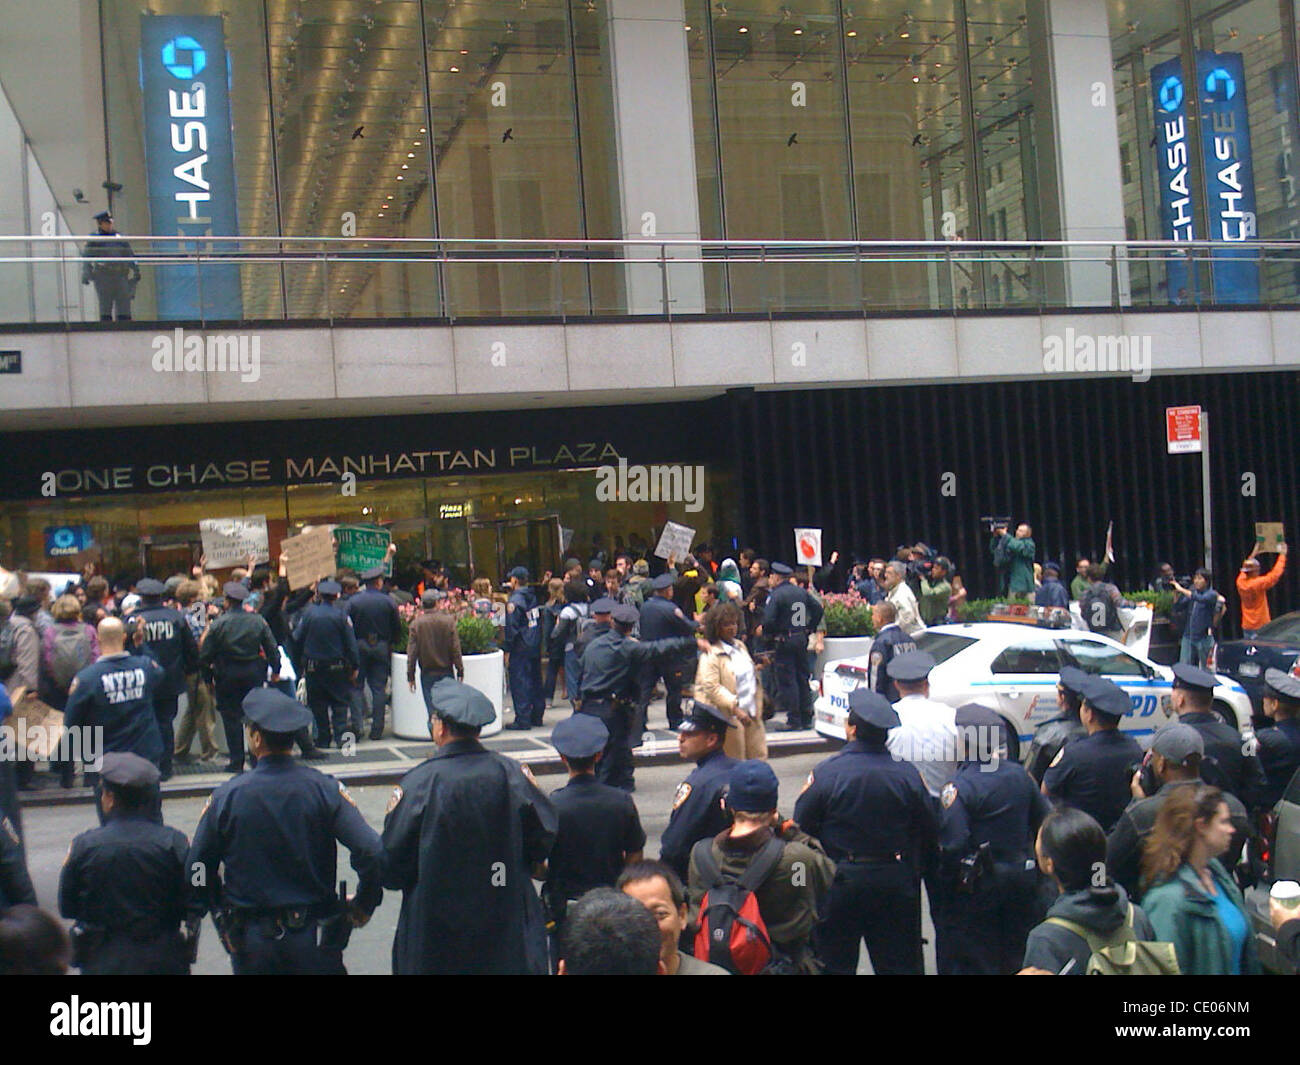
725, 677
554, 654
1192, 901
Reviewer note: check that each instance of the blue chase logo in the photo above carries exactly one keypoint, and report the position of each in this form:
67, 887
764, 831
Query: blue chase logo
1220, 84
1171, 93
184, 57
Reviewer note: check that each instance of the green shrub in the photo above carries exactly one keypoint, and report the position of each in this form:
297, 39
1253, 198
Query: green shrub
477, 635
1162, 603
848, 615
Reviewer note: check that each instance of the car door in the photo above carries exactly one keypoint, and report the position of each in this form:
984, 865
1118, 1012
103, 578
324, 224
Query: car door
1023, 678
1147, 690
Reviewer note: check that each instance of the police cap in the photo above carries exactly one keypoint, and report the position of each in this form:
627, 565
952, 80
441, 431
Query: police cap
1177, 742
580, 736
664, 580
702, 717
977, 715
782, 569
1281, 685
234, 590
102, 216
603, 605
1073, 679
625, 614
328, 587
911, 667
461, 704
1106, 697
273, 711
871, 708
123, 769
373, 573
150, 588
1187, 675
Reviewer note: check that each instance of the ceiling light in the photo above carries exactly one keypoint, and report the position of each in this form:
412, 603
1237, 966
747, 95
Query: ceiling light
464, 51
406, 166
798, 32
416, 143
423, 130
743, 29
904, 34
688, 27
455, 70
400, 178
410, 155
851, 33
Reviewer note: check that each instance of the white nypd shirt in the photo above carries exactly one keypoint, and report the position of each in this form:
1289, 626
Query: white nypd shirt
926, 737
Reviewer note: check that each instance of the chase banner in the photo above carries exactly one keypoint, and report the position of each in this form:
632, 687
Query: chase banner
1229, 170
184, 81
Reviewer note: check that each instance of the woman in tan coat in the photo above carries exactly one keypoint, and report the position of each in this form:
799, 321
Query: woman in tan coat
726, 678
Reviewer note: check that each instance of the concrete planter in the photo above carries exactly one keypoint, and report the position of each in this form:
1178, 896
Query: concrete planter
486, 672
838, 647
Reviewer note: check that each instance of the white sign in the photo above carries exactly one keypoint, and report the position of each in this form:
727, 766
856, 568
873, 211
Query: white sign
675, 541
808, 547
228, 542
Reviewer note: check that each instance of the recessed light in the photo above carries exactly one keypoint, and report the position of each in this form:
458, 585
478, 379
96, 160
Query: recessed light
851, 33
455, 70
743, 29
410, 155
406, 166
798, 32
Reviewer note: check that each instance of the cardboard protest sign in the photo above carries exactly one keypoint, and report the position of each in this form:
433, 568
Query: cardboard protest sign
309, 557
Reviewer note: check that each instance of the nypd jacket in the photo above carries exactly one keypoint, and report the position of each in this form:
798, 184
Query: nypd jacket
523, 634
116, 693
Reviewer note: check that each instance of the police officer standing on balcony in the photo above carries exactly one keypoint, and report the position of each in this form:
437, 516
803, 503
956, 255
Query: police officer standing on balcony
114, 281
276, 832
236, 653
329, 648
875, 818
1064, 728
376, 624
790, 615
169, 637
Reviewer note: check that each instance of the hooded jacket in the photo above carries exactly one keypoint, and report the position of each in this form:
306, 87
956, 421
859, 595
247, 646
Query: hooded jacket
1182, 914
1100, 910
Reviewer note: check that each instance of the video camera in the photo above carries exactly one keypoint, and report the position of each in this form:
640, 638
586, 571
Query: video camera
995, 522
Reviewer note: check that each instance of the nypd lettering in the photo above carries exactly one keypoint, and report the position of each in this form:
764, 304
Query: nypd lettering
123, 685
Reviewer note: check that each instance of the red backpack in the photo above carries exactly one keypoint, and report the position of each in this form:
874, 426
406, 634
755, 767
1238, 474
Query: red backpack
732, 931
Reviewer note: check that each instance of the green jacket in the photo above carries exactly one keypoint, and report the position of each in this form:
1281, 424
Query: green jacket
1182, 914
1020, 579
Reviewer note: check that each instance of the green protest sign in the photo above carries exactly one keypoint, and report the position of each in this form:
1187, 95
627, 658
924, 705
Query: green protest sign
362, 547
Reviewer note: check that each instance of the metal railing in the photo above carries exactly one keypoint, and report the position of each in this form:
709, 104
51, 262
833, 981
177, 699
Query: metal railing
222, 279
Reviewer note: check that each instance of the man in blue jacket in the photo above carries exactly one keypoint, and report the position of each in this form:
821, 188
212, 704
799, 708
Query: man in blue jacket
523, 647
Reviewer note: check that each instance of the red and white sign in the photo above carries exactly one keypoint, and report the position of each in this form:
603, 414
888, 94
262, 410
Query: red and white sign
808, 547
1183, 429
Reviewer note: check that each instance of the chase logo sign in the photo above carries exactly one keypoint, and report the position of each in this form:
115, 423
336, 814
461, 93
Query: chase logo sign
1171, 94
1220, 84
184, 57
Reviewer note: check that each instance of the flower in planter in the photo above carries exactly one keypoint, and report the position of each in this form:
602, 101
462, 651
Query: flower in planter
847, 614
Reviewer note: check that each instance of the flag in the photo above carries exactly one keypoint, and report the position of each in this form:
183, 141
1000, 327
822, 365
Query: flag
1110, 542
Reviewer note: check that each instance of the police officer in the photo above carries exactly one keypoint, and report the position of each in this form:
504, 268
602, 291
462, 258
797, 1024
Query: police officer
610, 667
265, 854
236, 653
523, 647
114, 281
928, 734
376, 625
790, 615
600, 617
890, 641
878, 823
991, 811
1279, 745
329, 651
698, 806
15, 884
172, 643
1175, 758
662, 619
1227, 765
1094, 773
126, 883
599, 830
117, 693
1064, 728
463, 831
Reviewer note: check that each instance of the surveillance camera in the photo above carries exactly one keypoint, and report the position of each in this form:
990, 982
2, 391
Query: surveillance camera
112, 186
79, 196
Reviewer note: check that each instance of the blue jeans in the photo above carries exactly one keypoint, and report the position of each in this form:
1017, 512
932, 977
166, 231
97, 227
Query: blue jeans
1196, 649
427, 681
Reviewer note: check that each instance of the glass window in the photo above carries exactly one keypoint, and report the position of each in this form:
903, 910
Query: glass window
1027, 658
1095, 657
942, 645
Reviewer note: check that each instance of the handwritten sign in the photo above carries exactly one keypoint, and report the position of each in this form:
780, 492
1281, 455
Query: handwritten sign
808, 547
1269, 535
675, 541
228, 542
309, 557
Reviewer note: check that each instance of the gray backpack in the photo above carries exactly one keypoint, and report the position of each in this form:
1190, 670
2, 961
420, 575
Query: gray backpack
70, 656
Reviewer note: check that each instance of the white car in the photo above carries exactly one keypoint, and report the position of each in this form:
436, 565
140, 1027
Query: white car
1014, 668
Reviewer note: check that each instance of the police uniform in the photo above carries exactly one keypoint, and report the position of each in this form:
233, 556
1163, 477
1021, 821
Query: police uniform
167, 634
117, 693
989, 819
876, 820
236, 653
1226, 765
597, 825
1279, 744
274, 834
329, 650
890, 642
610, 667
376, 625
463, 831
126, 884
115, 282
789, 616
662, 619
15, 884
1094, 773
1058, 731
598, 614
698, 806
522, 642
927, 734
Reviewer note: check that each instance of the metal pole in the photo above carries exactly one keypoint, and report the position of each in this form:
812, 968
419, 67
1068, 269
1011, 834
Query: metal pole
1206, 531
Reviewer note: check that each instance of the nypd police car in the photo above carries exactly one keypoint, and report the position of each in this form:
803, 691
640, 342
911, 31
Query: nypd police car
1014, 668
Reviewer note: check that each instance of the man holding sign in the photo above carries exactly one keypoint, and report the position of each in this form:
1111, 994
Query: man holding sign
1253, 588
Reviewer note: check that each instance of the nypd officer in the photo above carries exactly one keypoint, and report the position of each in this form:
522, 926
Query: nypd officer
236, 653
600, 618
1227, 765
126, 883
463, 833
662, 619
1094, 773
15, 883
890, 641
1279, 744
376, 625
115, 275
790, 615
699, 810
878, 823
599, 829
991, 811
172, 643
329, 649
610, 667
265, 854
1064, 728
523, 647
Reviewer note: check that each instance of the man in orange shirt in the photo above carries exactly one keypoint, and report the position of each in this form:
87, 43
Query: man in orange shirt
1253, 589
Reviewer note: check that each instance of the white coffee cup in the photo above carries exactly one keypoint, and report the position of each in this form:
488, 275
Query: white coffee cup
1286, 893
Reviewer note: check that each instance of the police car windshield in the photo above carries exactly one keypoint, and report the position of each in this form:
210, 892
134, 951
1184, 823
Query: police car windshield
942, 645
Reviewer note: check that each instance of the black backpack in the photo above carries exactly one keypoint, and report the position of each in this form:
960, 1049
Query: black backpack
731, 927
1099, 611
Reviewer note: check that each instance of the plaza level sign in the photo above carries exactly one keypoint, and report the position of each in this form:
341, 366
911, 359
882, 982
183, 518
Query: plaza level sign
1183, 429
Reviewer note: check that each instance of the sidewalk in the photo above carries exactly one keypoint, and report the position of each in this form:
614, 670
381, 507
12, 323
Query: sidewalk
389, 759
